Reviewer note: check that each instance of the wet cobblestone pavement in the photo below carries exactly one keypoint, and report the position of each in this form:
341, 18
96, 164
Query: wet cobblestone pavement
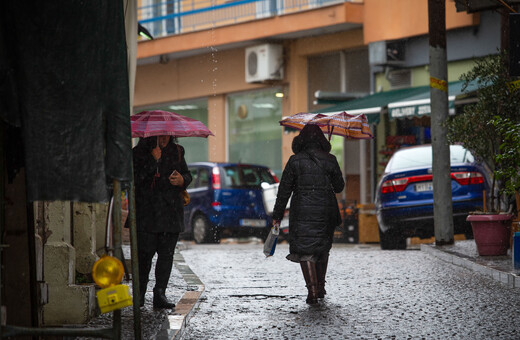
372, 294
439, 292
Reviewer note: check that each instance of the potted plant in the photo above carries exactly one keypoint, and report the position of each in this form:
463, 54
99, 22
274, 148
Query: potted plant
490, 129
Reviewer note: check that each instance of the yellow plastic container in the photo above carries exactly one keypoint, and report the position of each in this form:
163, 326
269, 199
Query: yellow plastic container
114, 297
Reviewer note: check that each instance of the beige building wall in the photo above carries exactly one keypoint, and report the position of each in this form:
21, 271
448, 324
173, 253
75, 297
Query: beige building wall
398, 19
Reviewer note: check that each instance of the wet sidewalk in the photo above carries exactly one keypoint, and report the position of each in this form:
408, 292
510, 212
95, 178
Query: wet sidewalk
186, 288
177, 318
464, 254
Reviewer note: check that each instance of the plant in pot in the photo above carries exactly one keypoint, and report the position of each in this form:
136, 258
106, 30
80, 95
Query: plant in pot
490, 129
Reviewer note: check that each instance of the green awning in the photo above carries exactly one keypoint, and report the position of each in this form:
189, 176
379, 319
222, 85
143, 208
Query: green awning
373, 104
419, 105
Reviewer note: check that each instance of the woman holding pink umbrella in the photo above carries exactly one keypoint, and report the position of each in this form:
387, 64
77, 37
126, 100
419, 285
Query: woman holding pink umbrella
160, 176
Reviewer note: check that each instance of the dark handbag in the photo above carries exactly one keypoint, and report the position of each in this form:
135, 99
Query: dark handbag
337, 215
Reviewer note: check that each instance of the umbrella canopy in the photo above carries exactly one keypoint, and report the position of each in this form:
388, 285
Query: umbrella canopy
340, 124
161, 123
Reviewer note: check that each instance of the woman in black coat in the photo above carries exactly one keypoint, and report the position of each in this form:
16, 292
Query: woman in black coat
313, 176
160, 176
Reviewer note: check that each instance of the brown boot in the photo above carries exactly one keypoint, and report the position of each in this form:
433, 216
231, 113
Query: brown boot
321, 272
309, 273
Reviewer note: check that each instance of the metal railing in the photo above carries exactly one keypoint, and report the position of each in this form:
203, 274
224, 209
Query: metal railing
176, 16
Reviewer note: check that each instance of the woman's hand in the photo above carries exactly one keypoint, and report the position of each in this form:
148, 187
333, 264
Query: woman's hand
156, 153
176, 179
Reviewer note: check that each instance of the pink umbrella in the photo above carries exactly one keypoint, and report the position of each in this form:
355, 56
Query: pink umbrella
161, 123
341, 124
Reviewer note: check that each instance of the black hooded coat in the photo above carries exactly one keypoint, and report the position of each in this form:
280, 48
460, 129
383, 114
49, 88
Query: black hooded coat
159, 205
314, 208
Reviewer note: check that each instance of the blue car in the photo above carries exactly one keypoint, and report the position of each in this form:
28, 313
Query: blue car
404, 194
226, 200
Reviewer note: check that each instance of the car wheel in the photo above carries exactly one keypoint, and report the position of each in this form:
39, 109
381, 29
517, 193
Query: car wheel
203, 232
391, 240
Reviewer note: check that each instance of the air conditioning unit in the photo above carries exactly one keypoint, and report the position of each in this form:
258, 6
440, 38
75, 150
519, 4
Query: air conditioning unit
264, 62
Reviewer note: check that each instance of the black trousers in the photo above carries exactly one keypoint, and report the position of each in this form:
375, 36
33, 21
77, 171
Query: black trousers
147, 245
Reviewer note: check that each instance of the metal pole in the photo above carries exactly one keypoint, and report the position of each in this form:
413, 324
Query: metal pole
136, 289
118, 253
442, 206
363, 171
343, 87
2, 212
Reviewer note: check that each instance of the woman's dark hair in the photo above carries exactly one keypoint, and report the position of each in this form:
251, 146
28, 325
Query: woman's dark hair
310, 134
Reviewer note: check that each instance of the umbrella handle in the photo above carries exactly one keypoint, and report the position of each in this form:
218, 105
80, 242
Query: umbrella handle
330, 131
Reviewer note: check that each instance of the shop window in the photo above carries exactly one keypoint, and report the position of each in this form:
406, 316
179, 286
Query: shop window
254, 132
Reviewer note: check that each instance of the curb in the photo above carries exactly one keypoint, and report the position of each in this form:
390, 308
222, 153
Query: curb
510, 279
175, 323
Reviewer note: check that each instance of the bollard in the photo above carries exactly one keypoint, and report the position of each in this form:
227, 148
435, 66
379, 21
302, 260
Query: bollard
516, 250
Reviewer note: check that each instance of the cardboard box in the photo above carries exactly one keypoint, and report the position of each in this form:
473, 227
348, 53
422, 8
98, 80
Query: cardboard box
367, 221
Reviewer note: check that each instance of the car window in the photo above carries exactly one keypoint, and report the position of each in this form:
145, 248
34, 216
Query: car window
194, 177
410, 158
460, 155
422, 157
203, 178
245, 176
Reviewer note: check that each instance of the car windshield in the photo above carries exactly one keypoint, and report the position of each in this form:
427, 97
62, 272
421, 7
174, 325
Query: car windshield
422, 157
240, 176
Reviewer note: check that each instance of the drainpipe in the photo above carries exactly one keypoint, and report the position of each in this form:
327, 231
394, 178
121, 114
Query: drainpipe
343, 89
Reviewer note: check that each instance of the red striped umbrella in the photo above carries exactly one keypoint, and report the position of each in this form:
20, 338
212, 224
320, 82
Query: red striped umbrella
162, 123
340, 124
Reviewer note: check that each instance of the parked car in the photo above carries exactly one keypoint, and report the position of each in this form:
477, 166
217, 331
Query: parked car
227, 199
404, 194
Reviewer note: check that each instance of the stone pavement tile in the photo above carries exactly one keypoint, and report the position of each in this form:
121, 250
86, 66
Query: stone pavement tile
464, 254
176, 322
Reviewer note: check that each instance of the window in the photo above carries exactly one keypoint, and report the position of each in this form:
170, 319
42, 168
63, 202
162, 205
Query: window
203, 178
194, 178
244, 176
255, 135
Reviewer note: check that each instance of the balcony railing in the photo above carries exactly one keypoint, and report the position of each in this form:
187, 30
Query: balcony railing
182, 16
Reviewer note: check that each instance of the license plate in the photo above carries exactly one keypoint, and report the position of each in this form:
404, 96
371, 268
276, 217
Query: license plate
420, 187
253, 223
284, 223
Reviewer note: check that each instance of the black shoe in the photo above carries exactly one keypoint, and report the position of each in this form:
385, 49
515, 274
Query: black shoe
160, 300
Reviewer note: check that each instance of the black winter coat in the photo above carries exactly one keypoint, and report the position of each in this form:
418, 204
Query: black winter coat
159, 205
313, 204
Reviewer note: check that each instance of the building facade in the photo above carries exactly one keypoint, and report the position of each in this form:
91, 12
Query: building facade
240, 72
